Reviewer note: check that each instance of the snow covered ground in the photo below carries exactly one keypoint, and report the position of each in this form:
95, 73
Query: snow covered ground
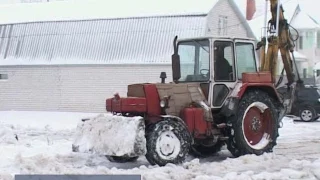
45, 138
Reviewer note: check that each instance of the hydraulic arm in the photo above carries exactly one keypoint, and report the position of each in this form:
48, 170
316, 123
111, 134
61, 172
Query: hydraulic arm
279, 39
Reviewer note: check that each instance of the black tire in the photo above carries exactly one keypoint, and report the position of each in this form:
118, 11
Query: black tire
243, 134
120, 159
202, 151
307, 114
168, 128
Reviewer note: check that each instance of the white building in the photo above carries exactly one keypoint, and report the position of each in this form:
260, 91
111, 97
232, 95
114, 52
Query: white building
72, 56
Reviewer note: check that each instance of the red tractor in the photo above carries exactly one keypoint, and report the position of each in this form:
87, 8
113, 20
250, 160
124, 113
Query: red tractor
218, 97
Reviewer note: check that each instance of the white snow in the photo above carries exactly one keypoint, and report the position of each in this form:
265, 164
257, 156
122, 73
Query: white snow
45, 140
111, 135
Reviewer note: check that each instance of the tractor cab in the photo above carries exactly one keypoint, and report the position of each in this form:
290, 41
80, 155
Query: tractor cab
216, 63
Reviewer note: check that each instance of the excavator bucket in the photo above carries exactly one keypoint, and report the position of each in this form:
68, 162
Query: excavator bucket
111, 135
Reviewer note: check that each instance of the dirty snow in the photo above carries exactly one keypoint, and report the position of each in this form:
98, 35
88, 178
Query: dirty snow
99, 134
45, 140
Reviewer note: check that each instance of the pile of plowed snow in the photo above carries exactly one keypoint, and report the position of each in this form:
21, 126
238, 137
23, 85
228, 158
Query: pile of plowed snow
7, 134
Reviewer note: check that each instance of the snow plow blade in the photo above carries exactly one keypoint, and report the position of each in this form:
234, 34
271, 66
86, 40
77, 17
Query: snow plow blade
111, 135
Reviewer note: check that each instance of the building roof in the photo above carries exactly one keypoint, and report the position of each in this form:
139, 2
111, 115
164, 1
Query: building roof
303, 20
311, 8
97, 33
133, 40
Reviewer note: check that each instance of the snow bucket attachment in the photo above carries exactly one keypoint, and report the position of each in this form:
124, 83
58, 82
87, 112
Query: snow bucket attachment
111, 135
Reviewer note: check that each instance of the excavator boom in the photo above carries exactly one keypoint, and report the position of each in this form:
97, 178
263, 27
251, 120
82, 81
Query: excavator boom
279, 39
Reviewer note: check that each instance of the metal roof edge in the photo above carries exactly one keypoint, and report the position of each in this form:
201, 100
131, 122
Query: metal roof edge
120, 18
83, 64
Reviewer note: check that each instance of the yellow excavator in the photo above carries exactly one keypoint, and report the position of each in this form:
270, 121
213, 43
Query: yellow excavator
279, 37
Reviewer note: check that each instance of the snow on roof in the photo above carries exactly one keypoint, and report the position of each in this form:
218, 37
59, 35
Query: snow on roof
137, 40
100, 9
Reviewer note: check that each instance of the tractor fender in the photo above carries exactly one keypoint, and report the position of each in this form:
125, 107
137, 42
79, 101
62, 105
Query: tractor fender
230, 106
266, 87
179, 120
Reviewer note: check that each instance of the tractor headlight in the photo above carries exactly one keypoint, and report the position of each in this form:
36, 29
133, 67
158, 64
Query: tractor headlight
162, 103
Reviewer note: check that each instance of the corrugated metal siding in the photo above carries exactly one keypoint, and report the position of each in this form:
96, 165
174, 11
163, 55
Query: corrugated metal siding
134, 40
235, 27
71, 88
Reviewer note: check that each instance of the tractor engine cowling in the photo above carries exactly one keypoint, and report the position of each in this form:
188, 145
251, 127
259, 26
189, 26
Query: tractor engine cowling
134, 105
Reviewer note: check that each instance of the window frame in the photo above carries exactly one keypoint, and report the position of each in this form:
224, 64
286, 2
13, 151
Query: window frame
318, 39
301, 39
233, 60
254, 56
209, 59
222, 25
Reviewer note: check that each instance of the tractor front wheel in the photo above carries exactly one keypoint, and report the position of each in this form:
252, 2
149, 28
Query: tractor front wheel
255, 128
168, 141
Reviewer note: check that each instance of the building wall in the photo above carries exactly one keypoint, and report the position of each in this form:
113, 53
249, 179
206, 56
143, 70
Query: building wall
71, 88
233, 25
309, 45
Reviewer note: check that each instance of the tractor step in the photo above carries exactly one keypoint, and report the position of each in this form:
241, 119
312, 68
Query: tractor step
221, 126
223, 138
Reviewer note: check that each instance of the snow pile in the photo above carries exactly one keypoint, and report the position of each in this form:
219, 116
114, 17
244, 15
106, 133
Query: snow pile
7, 135
111, 135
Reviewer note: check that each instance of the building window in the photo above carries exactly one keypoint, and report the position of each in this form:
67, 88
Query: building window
318, 39
3, 76
222, 25
304, 72
301, 42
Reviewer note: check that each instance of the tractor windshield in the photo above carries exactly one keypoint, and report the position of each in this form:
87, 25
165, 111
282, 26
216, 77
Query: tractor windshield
194, 60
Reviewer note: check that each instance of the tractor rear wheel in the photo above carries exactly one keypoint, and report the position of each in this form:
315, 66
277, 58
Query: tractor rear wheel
255, 128
168, 141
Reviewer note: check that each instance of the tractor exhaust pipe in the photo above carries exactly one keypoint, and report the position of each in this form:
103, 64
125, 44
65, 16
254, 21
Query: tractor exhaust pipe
163, 76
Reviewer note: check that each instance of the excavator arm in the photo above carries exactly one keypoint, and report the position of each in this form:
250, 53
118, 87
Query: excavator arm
279, 38
277, 41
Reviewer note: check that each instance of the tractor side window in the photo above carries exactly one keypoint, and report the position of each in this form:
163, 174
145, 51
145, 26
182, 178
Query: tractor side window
187, 56
245, 58
223, 61
194, 61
